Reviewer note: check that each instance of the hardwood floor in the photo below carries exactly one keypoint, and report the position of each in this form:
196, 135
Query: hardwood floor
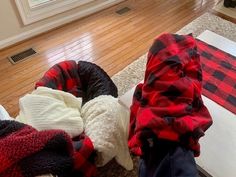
110, 40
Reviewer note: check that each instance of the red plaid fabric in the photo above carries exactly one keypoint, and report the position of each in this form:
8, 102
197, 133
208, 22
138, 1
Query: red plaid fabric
219, 75
85, 79
168, 105
26, 152
63, 76
84, 156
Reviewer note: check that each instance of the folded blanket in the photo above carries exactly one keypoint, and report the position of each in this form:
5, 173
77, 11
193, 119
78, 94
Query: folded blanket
26, 152
168, 104
106, 123
46, 109
85, 79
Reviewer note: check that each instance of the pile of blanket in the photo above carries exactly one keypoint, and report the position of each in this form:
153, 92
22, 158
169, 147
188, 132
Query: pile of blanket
47, 109
79, 101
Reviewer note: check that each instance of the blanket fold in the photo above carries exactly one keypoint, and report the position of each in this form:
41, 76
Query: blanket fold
46, 109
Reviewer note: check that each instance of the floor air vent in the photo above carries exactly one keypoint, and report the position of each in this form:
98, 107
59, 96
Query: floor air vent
22, 55
123, 10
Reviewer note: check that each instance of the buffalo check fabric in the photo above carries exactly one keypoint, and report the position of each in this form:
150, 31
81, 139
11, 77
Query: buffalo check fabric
168, 105
219, 75
63, 76
82, 79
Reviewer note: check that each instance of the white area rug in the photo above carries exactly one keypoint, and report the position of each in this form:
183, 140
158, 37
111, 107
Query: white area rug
231, 12
134, 73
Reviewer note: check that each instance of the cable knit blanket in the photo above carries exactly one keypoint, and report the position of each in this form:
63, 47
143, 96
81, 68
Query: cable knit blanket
46, 109
26, 152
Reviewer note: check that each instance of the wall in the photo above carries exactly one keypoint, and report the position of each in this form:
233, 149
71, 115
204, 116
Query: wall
12, 29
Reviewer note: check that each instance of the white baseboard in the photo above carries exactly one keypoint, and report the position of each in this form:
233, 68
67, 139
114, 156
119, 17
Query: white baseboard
41, 29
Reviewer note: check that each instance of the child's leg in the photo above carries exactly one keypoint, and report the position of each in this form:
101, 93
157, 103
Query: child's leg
167, 159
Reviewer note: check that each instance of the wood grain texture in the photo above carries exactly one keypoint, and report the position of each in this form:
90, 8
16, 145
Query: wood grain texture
110, 40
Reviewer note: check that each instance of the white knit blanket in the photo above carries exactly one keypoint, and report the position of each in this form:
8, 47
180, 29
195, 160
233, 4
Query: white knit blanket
102, 119
46, 109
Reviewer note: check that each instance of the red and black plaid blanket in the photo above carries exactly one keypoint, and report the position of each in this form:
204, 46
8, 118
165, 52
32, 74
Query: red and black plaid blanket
26, 152
168, 105
82, 79
219, 75
63, 76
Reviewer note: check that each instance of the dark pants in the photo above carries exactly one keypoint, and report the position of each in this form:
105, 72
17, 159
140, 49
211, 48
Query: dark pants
167, 159
230, 3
